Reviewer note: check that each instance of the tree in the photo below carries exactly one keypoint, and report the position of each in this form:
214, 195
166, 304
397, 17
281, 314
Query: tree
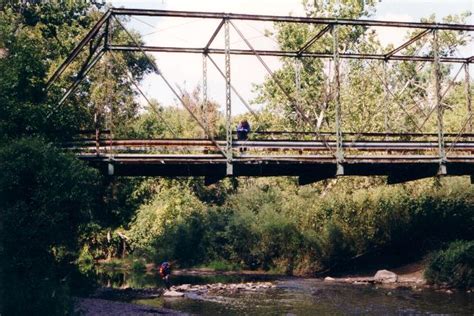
315, 97
36, 39
411, 104
45, 195
369, 102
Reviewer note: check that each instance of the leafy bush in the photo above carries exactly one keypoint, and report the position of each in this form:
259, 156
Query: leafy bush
138, 266
222, 266
453, 266
274, 224
171, 226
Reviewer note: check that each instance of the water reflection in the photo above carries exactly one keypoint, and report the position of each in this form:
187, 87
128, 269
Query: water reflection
127, 279
138, 280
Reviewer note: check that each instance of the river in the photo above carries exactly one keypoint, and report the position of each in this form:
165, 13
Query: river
297, 296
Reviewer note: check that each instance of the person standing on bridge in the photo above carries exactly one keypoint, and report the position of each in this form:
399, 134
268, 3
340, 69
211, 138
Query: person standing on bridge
243, 130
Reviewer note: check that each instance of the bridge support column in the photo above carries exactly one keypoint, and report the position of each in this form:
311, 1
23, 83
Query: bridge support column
228, 107
110, 168
337, 103
439, 107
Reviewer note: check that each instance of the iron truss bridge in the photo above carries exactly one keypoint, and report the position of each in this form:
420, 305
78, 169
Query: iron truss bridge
312, 156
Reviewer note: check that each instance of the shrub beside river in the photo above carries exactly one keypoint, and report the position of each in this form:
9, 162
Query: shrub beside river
453, 266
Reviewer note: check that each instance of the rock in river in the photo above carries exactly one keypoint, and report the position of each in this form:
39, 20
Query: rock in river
173, 294
221, 287
385, 276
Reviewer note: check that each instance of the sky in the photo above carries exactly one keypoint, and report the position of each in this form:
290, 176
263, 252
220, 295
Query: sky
185, 70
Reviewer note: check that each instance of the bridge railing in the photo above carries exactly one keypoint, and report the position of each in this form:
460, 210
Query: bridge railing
279, 145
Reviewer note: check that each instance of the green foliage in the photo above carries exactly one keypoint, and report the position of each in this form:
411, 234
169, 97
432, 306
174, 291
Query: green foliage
44, 197
220, 265
170, 224
275, 225
114, 264
173, 121
35, 38
367, 106
453, 266
138, 266
315, 98
85, 260
48, 198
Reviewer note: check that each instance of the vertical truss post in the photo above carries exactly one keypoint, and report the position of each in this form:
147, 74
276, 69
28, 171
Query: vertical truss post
97, 132
439, 108
204, 107
467, 83
107, 34
108, 102
107, 41
385, 97
228, 108
337, 101
298, 78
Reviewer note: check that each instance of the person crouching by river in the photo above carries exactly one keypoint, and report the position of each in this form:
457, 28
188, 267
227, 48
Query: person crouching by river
165, 271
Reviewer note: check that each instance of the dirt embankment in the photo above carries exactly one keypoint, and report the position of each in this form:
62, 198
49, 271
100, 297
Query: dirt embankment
410, 275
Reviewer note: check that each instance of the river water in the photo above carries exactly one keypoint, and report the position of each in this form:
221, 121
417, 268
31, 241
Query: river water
300, 296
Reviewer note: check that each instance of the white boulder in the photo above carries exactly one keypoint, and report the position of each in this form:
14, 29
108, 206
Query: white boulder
173, 294
385, 276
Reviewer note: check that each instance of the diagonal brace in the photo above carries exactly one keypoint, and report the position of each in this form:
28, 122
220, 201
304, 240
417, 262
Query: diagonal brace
219, 27
157, 71
244, 102
93, 32
314, 39
78, 81
406, 44
279, 84
150, 104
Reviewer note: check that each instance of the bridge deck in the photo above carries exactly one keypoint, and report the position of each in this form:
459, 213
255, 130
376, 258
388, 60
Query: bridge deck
311, 160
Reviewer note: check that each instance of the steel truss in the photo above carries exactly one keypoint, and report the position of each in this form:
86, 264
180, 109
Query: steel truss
100, 41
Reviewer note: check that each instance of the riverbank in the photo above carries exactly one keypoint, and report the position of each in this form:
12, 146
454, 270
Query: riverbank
102, 307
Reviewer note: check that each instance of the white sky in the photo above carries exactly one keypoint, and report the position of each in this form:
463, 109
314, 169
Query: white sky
185, 70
